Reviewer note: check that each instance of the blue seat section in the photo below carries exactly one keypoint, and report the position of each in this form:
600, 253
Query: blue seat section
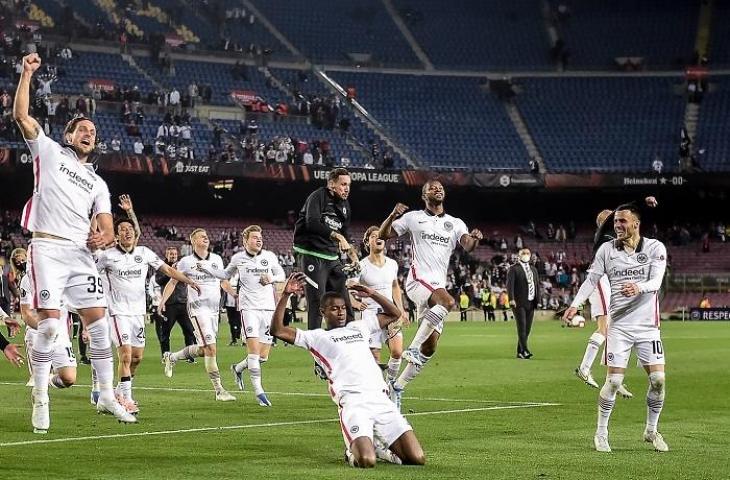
446, 122
325, 31
89, 65
603, 124
719, 54
713, 133
598, 31
480, 34
217, 75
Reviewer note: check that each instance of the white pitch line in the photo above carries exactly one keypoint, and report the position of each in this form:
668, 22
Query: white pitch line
308, 394
259, 425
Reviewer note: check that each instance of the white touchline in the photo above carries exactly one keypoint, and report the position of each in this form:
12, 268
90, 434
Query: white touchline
308, 394
259, 425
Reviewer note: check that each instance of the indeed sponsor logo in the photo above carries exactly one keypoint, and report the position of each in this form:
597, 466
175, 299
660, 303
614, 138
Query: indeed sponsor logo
76, 177
130, 273
434, 237
332, 223
257, 270
347, 338
629, 272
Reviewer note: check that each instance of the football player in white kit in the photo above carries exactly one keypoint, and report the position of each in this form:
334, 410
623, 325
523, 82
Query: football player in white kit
258, 270
380, 273
372, 427
635, 267
125, 268
203, 308
434, 236
63, 362
67, 194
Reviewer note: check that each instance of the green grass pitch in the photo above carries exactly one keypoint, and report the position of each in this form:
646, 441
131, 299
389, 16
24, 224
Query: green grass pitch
478, 411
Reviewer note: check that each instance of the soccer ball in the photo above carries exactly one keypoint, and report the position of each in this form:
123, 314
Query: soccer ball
578, 321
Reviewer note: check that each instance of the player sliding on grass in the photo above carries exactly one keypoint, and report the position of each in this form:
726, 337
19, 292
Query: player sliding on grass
371, 425
635, 267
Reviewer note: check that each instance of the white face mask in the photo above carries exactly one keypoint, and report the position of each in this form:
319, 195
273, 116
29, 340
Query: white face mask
525, 258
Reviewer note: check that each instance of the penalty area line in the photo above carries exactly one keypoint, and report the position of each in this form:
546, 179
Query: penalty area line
259, 425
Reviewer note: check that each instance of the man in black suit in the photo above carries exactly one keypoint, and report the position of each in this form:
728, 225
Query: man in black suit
522, 288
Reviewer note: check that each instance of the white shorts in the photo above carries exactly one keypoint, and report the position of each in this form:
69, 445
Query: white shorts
600, 299
377, 339
420, 293
205, 326
362, 415
257, 324
127, 330
619, 343
60, 268
63, 353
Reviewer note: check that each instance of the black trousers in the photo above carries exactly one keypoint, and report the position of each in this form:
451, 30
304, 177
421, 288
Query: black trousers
488, 312
234, 323
329, 277
174, 313
462, 313
523, 319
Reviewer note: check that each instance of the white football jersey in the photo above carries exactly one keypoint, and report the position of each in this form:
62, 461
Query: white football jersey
345, 355
379, 279
66, 194
644, 267
126, 275
433, 238
63, 338
251, 294
209, 299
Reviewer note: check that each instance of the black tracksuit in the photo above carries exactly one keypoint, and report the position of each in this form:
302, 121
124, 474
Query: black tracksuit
318, 256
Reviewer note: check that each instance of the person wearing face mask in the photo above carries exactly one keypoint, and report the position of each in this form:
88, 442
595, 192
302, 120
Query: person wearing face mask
522, 288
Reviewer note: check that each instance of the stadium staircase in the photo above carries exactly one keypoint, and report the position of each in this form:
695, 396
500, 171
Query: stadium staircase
272, 29
371, 122
521, 127
417, 49
132, 63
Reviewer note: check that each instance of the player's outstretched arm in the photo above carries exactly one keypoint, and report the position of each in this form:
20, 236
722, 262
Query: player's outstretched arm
585, 290
471, 240
29, 315
169, 288
178, 276
390, 312
386, 228
28, 125
294, 284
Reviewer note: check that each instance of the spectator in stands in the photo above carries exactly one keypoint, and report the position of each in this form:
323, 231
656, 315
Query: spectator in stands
560, 234
186, 134
138, 146
706, 243
550, 232
503, 301
519, 243
705, 302
657, 165
175, 100
66, 53
116, 144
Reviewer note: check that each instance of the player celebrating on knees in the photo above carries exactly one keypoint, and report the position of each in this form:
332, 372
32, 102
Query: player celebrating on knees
434, 236
125, 268
381, 274
203, 307
258, 270
66, 195
372, 427
635, 267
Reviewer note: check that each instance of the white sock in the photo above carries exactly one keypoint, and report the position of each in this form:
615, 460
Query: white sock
42, 354
94, 380
393, 369
606, 401
242, 365
56, 382
100, 354
654, 400
254, 371
211, 366
592, 349
410, 372
188, 353
433, 318
125, 388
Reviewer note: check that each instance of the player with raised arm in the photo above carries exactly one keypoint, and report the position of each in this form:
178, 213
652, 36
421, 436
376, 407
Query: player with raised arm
600, 300
125, 267
203, 308
434, 236
66, 196
372, 426
258, 270
635, 267
380, 273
